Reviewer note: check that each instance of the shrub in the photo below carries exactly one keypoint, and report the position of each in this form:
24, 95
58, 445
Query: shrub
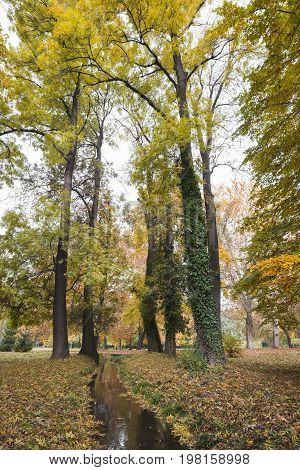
23, 343
192, 362
8, 340
232, 345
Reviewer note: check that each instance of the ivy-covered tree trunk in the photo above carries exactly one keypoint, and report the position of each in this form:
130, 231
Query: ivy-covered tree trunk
148, 302
89, 347
60, 328
212, 231
199, 275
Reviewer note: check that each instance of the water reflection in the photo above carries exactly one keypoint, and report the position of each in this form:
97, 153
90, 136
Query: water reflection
128, 426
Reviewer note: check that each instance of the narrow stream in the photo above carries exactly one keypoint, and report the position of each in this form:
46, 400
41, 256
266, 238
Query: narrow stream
127, 424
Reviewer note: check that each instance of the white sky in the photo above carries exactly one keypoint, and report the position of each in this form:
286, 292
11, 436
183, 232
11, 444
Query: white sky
118, 157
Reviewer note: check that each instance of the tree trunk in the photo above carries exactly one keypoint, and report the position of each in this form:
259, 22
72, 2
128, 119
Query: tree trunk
140, 343
199, 275
120, 344
171, 300
148, 303
212, 232
89, 342
249, 323
60, 329
105, 342
170, 343
89, 347
276, 334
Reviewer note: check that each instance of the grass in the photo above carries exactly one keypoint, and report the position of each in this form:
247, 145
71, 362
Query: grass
250, 403
45, 404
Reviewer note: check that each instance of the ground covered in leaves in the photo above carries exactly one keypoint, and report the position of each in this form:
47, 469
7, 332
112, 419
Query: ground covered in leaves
45, 404
251, 403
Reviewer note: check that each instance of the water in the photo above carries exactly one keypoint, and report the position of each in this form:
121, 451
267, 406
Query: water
127, 424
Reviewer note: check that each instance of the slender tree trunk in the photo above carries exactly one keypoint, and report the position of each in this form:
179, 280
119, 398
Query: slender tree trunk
105, 342
249, 323
199, 275
120, 344
140, 343
148, 303
171, 294
276, 334
212, 231
60, 328
89, 347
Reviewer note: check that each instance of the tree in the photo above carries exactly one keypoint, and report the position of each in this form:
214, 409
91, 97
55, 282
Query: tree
152, 54
232, 204
101, 107
8, 340
47, 108
270, 112
24, 342
11, 157
27, 265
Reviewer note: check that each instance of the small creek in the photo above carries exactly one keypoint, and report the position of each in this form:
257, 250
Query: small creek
127, 424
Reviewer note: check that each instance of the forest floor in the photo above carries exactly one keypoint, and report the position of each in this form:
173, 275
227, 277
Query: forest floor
45, 404
251, 403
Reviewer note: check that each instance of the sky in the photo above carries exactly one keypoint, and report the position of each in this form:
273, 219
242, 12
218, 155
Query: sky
118, 157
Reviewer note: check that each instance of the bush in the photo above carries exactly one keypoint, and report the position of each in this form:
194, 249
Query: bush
23, 343
192, 362
8, 340
232, 345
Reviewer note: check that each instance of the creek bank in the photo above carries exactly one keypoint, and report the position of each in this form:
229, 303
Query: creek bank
251, 402
125, 424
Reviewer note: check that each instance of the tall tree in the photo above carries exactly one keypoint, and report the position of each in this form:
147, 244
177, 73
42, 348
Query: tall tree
156, 38
47, 108
270, 111
101, 107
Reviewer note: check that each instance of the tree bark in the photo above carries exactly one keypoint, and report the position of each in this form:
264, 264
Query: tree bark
212, 231
89, 341
199, 275
170, 343
140, 343
276, 334
148, 303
